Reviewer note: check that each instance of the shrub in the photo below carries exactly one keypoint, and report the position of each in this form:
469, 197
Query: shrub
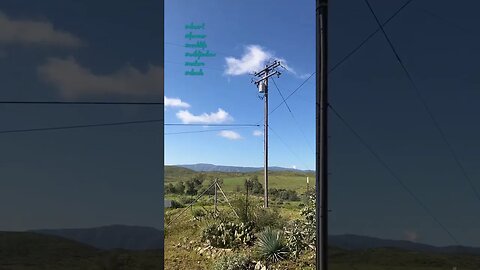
272, 246
186, 200
254, 186
179, 188
229, 234
234, 262
199, 214
284, 194
268, 217
301, 233
296, 237
176, 204
170, 188
244, 209
190, 187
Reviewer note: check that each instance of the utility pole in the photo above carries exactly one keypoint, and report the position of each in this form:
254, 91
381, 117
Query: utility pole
262, 85
321, 172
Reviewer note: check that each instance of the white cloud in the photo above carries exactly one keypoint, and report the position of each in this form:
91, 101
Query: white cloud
254, 59
294, 167
73, 80
218, 117
257, 133
175, 102
229, 134
34, 33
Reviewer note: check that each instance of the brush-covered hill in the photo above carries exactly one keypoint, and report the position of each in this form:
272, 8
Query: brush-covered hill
33, 251
113, 237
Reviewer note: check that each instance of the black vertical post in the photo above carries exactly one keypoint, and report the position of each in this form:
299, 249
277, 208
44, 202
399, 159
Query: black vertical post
265, 173
321, 168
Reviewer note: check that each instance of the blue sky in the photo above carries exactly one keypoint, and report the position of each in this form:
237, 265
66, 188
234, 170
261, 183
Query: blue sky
234, 31
438, 45
70, 50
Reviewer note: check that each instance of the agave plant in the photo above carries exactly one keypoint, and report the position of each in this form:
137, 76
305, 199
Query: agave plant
272, 246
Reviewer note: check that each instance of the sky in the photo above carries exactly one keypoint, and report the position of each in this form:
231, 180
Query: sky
92, 51
225, 93
436, 42
69, 50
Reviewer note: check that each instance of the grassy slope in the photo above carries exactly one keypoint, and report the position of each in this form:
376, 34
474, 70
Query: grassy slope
22, 251
284, 179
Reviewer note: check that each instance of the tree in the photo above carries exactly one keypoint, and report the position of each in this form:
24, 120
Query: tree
179, 188
257, 188
169, 188
190, 187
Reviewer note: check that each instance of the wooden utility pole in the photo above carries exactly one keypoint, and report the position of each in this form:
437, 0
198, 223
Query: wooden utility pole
321, 172
262, 85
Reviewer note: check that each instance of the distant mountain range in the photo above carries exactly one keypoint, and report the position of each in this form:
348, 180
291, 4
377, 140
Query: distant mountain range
205, 167
146, 238
356, 242
112, 237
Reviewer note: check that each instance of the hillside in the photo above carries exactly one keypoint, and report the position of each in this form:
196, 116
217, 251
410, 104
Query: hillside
357, 242
205, 167
32, 251
294, 180
113, 237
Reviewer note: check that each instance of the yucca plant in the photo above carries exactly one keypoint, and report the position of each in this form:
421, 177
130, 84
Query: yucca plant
272, 246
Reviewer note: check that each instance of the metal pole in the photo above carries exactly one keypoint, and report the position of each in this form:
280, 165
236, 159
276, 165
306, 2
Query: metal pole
265, 201
321, 187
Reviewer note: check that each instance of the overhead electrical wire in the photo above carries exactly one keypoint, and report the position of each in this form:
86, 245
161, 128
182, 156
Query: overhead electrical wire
425, 105
348, 55
393, 174
80, 103
294, 118
80, 126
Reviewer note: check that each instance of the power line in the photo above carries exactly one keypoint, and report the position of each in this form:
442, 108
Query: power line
425, 105
80, 103
348, 55
352, 52
294, 91
288, 147
293, 116
213, 125
395, 176
80, 126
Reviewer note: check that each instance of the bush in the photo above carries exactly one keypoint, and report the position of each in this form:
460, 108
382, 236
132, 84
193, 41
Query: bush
284, 194
170, 188
301, 233
186, 200
234, 262
229, 234
272, 246
199, 214
268, 217
179, 188
254, 186
176, 204
245, 210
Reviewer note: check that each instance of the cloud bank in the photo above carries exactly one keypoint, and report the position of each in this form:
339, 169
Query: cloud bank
34, 33
229, 134
254, 59
218, 117
175, 102
73, 80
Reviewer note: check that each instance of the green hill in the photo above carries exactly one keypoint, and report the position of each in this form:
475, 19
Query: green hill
292, 180
31, 251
